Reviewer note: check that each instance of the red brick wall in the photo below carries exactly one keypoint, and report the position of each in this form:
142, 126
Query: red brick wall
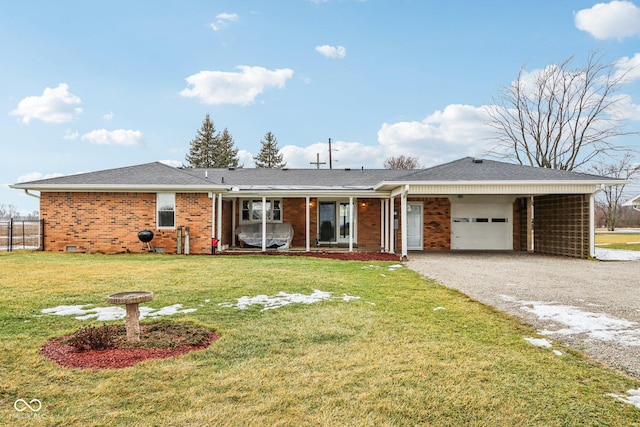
110, 222
294, 213
437, 224
368, 220
520, 224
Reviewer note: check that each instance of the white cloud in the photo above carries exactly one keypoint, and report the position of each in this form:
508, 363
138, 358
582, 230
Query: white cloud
172, 163
345, 154
630, 67
35, 176
70, 135
241, 88
108, 116
457, 131
338, 52
55, 105
114, 137
223, 20
617, 19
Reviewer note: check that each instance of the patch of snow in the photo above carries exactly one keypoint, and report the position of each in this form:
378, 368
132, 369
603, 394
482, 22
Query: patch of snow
557, 352
370, 266
282, 299
616, 255
395, 267
539, 342
439, 308
105, 314
632, 397
596, 326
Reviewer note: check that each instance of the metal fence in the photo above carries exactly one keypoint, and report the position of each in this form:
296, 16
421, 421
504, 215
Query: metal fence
21, 234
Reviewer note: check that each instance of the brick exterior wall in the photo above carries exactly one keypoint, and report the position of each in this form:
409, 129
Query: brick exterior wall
110, 222
294, 212
561, 225
436, 231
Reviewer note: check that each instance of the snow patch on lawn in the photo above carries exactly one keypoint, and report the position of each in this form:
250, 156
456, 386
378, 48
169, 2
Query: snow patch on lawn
538, 342
105, 314
632, 397
282, 299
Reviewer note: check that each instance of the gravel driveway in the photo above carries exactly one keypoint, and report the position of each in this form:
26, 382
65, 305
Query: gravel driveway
590, 306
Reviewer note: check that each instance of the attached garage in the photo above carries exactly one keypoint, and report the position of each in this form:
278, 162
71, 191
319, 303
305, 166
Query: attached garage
482, 223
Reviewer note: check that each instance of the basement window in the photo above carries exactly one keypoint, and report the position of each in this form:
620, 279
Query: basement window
499, 220
166, 205
480, 219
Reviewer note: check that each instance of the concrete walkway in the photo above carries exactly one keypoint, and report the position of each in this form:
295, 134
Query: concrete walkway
590, 306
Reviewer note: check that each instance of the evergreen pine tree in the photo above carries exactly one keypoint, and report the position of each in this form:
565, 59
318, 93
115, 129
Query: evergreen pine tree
203, 146
269, 156
226, 154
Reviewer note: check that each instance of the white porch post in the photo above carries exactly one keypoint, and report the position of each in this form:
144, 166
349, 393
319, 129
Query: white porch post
351, 224
213, 215
392, 224
530, 237
382, 225
219, 227
233, 221
307, 223
264, 223
403, 212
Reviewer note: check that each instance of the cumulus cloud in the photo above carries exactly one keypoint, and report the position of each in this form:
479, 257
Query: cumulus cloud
345, 155
456, 131
241, 87
223, 20
56, 105
617, 19
338, 52
70, 135
172, 163
35, 176
630, 67
108, 116
113, 137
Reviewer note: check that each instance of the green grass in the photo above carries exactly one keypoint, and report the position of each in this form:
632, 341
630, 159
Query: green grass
626, 241
387, 359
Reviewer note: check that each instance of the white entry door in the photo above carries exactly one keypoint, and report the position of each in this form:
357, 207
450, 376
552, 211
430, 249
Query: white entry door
414, 226
481, 226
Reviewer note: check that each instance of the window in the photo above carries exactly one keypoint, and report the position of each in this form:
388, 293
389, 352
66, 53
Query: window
460, 219
166, 206
499, 220
252, 210
480, 219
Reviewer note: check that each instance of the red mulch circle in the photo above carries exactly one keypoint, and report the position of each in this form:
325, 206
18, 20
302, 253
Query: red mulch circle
115, 358
345, 256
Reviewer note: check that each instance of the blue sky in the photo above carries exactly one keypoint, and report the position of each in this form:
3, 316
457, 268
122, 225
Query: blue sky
95, 85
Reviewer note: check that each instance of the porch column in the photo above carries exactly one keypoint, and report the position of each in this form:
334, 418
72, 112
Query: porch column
351, 224
307, 223
213, 215
219, 227
382, 233
392, 224
403, 212
264, 223
233, 221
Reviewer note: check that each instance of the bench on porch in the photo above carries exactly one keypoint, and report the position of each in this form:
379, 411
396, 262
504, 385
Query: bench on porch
277, 234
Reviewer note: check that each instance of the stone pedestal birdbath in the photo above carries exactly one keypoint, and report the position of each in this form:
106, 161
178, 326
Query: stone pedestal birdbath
131, 299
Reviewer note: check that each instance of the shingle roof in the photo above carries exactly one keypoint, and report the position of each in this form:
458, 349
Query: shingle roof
158, 175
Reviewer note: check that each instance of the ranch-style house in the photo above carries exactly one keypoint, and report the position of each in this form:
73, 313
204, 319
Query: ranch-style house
467, 204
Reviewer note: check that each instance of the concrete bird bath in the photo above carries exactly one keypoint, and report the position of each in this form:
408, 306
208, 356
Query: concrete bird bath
131, 299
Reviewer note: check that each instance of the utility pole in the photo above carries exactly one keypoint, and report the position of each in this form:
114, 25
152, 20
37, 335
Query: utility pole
318, 162
330, 161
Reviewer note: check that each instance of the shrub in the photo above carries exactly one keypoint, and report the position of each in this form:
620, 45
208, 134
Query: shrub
93, 338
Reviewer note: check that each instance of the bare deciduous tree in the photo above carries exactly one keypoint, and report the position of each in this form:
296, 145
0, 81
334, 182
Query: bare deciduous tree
402, 162
609, 202
562, 117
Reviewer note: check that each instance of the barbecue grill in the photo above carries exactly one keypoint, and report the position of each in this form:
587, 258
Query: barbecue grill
145, 236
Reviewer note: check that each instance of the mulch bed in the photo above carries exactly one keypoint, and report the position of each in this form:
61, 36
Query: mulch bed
114, 358
345, 256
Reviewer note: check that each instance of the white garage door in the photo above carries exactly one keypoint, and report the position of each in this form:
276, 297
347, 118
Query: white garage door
481, 225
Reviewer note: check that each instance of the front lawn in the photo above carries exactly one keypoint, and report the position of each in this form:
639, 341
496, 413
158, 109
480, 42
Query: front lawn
361, 343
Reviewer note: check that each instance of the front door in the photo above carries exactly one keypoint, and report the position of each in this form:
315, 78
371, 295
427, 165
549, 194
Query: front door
327, 232
414, 226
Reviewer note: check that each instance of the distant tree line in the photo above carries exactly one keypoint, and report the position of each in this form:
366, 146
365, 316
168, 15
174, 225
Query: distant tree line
8, 211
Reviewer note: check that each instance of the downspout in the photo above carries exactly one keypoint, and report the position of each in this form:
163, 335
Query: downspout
26, 191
